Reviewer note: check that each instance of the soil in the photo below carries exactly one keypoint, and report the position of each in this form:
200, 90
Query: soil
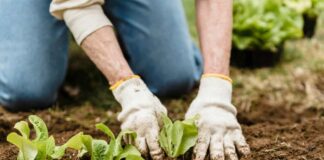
272, 132
276, 133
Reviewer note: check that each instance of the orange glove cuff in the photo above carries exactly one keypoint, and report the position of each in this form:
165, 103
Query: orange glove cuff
118, 83
224, 77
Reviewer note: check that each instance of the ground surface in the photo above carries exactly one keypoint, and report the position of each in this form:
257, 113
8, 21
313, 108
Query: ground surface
281, 109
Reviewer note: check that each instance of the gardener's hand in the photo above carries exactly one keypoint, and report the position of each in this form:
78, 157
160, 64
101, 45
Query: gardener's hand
219, 130
141, 112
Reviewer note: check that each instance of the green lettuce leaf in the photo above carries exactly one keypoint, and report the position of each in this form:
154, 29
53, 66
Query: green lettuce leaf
102, 150
27, 150
178, 137
40, 127
41, 148
23, 128
75, 142
129, 153
99, 150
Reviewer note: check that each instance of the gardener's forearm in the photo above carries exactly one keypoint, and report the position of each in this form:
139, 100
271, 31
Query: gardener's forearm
103, 49
214, 23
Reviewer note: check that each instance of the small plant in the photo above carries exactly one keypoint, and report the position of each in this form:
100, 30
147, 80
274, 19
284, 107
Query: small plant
178, 137
264, 24
101, 150
41, 148
311, 8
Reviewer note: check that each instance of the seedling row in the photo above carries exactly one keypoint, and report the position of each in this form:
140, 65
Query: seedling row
175, 138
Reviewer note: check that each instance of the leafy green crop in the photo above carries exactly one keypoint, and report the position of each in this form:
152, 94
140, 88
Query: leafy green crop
299, 6
101, 150
178, 137
175, 138
264, 24
312, 8
40, 148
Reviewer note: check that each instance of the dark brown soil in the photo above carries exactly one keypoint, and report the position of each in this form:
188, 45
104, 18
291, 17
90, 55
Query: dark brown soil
275, 133
272, 132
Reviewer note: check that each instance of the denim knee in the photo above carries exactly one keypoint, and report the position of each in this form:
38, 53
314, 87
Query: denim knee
34, 96
174, 84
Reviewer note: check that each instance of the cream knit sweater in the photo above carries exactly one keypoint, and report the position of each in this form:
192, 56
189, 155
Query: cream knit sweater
81, 16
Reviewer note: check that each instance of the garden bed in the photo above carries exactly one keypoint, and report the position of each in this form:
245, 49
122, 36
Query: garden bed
272, 132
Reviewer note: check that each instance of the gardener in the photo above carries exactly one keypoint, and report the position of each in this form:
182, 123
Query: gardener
156, 56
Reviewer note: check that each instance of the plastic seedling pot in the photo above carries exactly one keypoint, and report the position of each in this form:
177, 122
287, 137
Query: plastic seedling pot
309, 26
255, 58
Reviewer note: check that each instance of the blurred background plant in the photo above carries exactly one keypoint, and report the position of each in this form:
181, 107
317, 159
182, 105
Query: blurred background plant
311, 8
264, 24
262, 27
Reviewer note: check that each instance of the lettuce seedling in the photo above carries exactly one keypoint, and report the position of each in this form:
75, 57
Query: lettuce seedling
42, 147
178, 137
101, 150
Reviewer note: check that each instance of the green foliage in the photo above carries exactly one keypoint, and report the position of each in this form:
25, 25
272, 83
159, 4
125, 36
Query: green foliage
175, 138
311, 8
41, 148
299, 6
178, 137
264, 24
101, 150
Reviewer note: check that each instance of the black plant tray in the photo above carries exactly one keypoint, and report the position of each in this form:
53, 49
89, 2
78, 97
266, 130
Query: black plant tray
309, 26
255, 58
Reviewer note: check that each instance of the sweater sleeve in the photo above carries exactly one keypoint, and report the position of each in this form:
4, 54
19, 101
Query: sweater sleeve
83, 17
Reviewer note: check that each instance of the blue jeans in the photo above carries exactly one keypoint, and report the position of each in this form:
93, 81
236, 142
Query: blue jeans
34, 49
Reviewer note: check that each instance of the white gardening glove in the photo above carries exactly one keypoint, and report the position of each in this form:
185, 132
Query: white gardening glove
218, 128
141, 112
